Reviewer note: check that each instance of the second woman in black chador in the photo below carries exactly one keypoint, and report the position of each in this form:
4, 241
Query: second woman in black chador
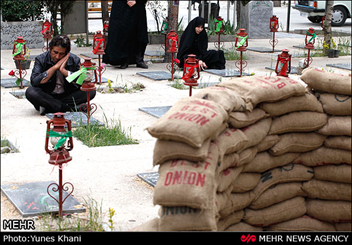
128, 36
194, 40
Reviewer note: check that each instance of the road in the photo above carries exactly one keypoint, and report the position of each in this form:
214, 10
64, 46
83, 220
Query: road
296, 21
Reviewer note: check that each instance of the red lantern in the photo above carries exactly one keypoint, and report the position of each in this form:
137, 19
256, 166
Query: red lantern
88, 85
219, 25
283, 65
172, 42
106, 28
310, 39
274, 24
191, 72
19, 49
58, 134
241, 41
98, 43
47, 29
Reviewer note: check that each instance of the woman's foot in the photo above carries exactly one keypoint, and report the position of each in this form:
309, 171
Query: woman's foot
124, 66
142, 65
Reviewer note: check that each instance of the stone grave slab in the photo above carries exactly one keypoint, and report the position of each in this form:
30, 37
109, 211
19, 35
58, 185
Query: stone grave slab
302, 47
293, 69
200, 85
103, 80
19, 94
157, 75
91, 55
226, 72
11, 83
32, 199
154, 53
151, 178
263, 49
346, 66
77, 119
157, 111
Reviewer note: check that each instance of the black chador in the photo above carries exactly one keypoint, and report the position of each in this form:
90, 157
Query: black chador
128, 34
193, 43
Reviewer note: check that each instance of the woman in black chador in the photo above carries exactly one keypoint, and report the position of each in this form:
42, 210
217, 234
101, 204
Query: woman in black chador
128, 36
194, 40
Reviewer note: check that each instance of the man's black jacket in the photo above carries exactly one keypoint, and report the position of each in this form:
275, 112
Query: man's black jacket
43, 63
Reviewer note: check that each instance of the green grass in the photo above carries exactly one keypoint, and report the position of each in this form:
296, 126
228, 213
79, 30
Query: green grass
94, 135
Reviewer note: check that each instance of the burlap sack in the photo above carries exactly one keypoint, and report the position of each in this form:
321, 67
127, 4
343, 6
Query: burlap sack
304, 223
232, 219
280, 212
247, 155
243, 227
231, 140
264, 161
221, 199
186, 219
343, 227
337, 125
191, 121
185, 183
288, 173
330, 211
151, 225
336, 173
228, 161
227, 98
245, 182
268, 142
297, 142
304, 121
339, 142
258, 89
244, 119
327, 190
323, 156
227, 177
236, 202
327, 81
165, 150
306, 102
257, 131
336, 104
278, 193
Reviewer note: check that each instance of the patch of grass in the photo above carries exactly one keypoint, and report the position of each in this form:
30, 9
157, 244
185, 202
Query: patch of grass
94, 135
91, 220
232, 54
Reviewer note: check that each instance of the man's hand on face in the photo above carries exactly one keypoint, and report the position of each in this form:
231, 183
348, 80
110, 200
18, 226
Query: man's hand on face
63, 64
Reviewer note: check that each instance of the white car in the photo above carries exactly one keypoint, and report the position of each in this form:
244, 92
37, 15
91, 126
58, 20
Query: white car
316, 11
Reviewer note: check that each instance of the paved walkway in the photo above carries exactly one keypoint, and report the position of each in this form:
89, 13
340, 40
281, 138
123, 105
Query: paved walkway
109, 174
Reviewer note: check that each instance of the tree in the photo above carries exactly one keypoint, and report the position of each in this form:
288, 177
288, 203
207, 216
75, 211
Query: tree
104, 10
172, 23
54, 6
327, 24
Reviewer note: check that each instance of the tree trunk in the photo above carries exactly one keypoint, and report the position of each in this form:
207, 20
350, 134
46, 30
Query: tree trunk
104, 10
327, 24
172, 24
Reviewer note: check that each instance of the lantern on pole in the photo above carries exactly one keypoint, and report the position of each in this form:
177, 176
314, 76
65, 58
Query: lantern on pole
88, 86
18, 53
98, 48
191, 72
60, 135
283, 64
47, 31
309, 44
172, 47
241, 44
274, 25
219, 29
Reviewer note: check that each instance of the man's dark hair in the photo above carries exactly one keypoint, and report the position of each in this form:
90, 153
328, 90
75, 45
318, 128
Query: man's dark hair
61, 41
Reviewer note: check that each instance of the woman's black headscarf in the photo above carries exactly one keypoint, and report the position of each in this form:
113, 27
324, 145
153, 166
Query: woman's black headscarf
189, 37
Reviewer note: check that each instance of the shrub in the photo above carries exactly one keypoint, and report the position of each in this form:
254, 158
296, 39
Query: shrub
22, 10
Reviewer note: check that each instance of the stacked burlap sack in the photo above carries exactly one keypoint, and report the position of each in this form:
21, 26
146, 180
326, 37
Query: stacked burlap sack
234, 158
